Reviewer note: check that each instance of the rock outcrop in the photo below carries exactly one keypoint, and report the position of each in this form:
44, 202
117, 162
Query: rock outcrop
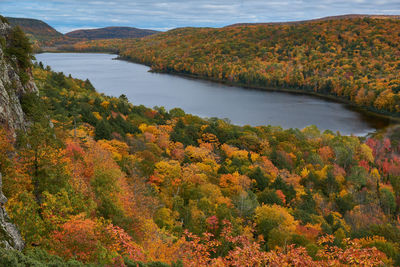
10, 237
12, 118
11, 89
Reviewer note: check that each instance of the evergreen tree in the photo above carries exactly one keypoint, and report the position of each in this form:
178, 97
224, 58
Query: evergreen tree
103, 130
20, 47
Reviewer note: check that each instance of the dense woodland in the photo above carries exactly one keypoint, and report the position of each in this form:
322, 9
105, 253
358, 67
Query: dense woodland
354, 59
108, 182
45, 37
40, 33
109, 33
96, 180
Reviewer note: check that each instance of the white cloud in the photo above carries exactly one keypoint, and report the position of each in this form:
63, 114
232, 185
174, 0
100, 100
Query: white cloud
65, 15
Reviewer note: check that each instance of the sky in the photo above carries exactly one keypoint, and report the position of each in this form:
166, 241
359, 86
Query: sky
67, 15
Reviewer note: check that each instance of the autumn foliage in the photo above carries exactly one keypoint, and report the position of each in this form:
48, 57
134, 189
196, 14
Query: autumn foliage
111, 183
355, 59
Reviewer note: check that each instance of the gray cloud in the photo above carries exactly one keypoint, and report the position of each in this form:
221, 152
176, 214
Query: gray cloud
66, 15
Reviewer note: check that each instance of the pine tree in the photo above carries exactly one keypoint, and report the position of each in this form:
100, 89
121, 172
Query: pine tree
103, 130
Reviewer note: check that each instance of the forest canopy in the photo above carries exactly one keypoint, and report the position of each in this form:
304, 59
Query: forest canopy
115, 183
96, 180
353, 59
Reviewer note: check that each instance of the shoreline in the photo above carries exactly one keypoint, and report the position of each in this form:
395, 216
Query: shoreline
389, 119
364, 110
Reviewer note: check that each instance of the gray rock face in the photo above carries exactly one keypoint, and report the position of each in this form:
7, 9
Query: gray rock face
12, 118
10, 237
11, 90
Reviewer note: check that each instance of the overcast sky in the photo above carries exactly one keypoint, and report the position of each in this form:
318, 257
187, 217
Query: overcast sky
67, 15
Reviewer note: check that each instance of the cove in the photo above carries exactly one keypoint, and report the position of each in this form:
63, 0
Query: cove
209, 99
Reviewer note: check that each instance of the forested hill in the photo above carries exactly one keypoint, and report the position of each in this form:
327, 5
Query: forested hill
93, 180
110, 33
355, 59
38, 31
340, 17
45, 37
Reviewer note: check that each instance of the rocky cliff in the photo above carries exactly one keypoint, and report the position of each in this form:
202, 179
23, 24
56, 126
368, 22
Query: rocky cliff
12, 88
10, 237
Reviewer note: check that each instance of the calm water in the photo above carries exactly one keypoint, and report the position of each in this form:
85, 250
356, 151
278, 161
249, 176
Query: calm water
207, 99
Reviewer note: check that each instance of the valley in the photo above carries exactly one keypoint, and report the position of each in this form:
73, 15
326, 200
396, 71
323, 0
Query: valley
156, 151
209, 99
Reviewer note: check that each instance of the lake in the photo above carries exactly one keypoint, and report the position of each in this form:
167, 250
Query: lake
208, 99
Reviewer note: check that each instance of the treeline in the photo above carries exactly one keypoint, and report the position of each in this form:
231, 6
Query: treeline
353, 59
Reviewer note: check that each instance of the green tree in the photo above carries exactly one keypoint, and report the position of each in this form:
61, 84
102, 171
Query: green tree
259, 177
274, 221
387, 201
103, 130
20, 47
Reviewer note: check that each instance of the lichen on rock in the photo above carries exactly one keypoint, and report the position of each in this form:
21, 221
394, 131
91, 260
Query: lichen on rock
10, 237
11, 88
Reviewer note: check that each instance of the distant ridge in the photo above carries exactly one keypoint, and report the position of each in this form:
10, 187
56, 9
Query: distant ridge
110, 33
348, 16
45, 37
36, 29
352, 58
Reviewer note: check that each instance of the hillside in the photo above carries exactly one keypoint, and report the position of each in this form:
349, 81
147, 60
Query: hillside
38, 31
93, 180
150, 185
355, 60
340, 17
15, 83
110, 33
43, 36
